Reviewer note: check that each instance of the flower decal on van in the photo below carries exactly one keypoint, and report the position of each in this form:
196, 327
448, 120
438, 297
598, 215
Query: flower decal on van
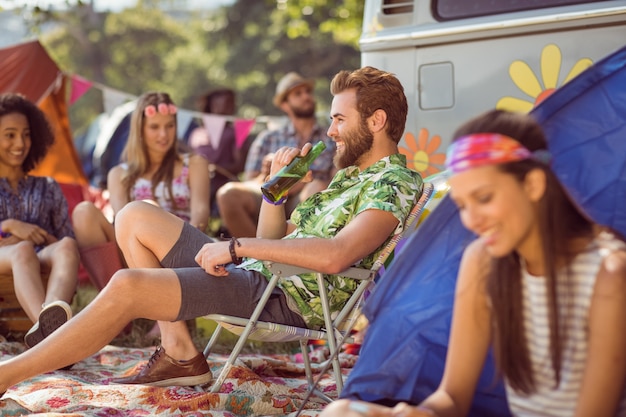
525, 79
421, 154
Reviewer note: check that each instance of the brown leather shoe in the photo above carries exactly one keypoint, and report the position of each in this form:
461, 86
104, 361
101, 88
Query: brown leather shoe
164, 371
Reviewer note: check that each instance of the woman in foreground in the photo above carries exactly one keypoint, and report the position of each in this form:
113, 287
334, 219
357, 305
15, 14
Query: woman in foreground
542, 284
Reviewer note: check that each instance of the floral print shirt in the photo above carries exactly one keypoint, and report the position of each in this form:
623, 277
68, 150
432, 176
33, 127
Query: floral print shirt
142, 190
386, 185
39, 201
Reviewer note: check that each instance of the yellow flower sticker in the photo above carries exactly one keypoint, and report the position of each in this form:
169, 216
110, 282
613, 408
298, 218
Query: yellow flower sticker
525, 79
421, 154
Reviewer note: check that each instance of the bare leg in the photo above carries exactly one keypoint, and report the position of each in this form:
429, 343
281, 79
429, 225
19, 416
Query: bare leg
131, 294
62, 259
144, 245
96, 240
27, 282
239, 204
90, 226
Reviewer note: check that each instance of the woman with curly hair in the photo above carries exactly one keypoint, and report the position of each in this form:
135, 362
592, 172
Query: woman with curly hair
36, 233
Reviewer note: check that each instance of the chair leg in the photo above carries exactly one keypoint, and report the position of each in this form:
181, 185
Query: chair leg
304, 348
214, 337
244, 335
330, 331
309, 374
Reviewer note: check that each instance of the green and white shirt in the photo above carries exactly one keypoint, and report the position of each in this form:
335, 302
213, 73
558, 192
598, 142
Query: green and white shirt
386, 185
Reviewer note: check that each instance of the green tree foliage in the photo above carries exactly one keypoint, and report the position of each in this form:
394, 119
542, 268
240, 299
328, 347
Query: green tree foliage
247, 46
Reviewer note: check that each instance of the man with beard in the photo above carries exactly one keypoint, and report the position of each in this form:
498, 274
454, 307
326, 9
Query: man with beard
239, 202
178, 273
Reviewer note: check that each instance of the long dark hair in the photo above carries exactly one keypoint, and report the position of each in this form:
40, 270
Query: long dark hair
41, 135
560, 221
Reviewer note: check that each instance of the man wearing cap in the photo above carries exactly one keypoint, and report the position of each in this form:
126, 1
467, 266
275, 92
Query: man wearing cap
239, 202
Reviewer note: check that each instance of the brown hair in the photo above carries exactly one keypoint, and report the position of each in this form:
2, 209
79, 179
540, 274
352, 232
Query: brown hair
375, 89
560, 221
41, 135
135, 152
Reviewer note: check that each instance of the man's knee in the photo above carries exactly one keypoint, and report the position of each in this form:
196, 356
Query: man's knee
84, 212
127, 219
122, 285
234, 194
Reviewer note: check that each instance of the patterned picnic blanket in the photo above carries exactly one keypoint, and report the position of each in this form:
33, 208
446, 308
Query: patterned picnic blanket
258, 385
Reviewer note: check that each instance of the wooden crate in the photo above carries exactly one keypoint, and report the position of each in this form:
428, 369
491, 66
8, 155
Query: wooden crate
12, 317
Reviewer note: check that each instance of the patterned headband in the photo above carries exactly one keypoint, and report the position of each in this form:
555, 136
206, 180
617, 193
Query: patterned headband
162, 108
480, 149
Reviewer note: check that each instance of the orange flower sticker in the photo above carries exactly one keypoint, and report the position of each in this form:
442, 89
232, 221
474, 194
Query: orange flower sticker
421, 153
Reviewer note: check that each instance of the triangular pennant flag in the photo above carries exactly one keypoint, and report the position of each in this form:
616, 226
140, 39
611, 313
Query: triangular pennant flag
113, 98
79, 87
242, 130
214, 125
183, 120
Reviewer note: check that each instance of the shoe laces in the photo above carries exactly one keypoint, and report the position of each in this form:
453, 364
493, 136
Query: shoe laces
155, 357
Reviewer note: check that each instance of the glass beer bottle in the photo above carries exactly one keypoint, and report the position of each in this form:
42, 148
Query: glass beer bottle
278, 185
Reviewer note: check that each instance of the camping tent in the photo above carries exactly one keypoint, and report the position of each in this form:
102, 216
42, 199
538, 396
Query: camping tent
27, 68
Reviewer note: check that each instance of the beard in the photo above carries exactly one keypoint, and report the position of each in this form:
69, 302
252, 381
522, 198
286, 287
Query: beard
356, 143
303, 112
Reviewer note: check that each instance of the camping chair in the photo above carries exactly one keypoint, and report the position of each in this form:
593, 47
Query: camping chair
334, 328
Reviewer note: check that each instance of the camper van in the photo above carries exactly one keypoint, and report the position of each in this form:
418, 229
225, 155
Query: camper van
457, 58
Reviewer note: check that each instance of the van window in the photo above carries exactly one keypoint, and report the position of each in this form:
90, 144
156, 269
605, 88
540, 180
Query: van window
460, 9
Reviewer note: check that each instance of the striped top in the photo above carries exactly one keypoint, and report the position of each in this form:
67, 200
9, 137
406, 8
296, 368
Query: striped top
575, 291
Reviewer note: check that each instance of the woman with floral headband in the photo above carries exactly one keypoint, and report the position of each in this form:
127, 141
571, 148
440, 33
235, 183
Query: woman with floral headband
542, 284
154, 170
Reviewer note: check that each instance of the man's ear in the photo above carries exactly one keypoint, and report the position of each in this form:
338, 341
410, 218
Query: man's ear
535, 184
377, 121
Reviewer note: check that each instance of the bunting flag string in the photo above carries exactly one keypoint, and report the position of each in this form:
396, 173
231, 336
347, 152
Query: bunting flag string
213, 124
79, 86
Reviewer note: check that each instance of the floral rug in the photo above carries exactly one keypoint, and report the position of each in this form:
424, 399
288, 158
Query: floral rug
258, 385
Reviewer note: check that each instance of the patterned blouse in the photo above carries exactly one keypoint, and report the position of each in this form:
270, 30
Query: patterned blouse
40, 201
386, 185
270, 141
142, 190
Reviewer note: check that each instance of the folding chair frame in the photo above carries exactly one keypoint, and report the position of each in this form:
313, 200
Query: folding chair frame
254, 329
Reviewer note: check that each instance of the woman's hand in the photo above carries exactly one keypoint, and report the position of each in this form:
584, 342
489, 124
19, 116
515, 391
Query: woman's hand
364, 409
26, 231
213, 257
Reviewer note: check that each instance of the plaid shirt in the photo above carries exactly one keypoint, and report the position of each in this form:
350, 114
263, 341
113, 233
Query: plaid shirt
270, 141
